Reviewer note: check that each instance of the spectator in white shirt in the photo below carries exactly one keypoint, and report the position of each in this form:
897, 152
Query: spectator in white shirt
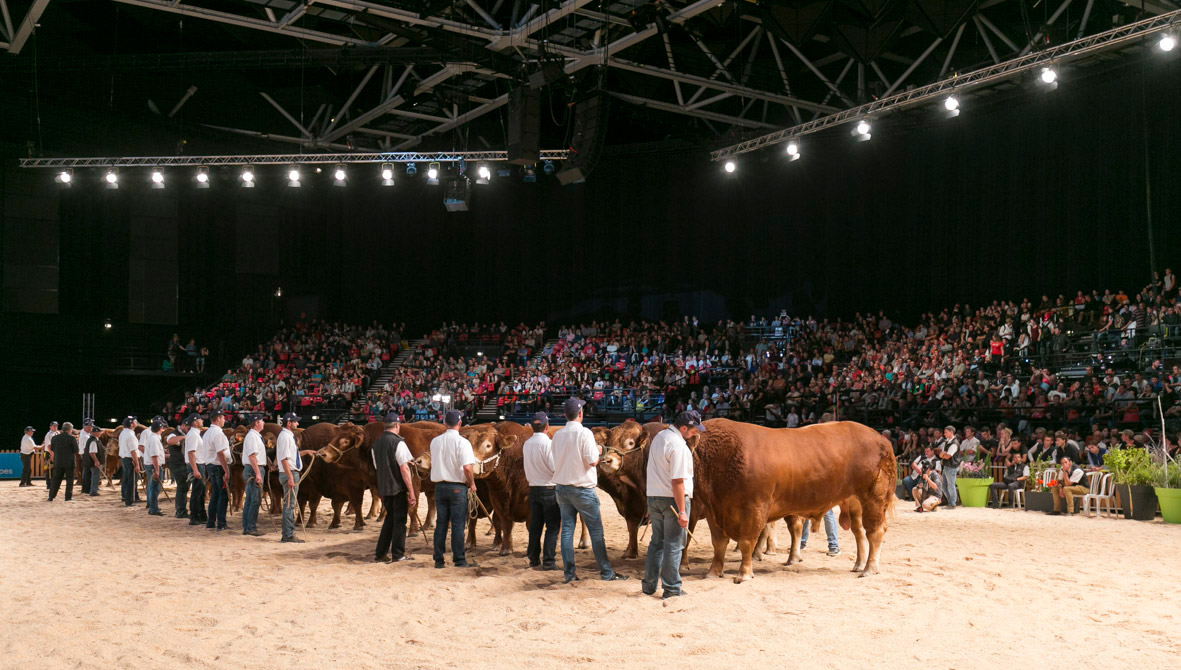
537, 453
451, 471
576, 455
670, 490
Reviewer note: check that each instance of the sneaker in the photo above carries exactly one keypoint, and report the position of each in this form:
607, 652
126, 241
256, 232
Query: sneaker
834, 552
255, 533
669, 594
292, 539
534, 564
569, 579
182, 515
465, 564
156, 513
402, 559
617, 578
381, 559
549, 568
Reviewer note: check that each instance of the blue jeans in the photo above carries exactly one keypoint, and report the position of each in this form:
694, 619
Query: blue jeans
95, 478
219, 497
251, 504
665, 547
574, 501
830, 529
950, 494
289, 498
153, 490
450, 509
127, 485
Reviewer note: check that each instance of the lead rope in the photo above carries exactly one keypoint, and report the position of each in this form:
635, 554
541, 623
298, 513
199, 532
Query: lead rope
303, 519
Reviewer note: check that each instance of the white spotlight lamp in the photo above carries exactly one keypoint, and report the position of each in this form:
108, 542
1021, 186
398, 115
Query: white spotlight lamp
793, 150
65, 177
339, 175
293, 177
112, 178
247, 178
1167, 42
387, 174
862, 131
730, 167
483, 174
202, 177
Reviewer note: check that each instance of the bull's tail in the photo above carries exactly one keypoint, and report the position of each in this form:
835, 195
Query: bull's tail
888, 477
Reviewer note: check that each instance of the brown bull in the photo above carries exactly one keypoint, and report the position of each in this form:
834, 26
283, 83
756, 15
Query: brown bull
746, 475
486, 443
623, 473
338, 472
418, 436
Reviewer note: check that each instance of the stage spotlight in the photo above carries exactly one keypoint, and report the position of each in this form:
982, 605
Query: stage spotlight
339, 176
157, 179
65, 177
530, 175
411, 170
793, 151
731, 166
547, 167
247, 178
387, 174
293, 178
279, 292
862, 131
1167, 42
202, 177
1049, 75
112, 178
483, 174
107, 324
951, 104
432, 173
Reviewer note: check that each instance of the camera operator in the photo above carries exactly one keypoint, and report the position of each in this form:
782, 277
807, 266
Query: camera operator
928, 492
916, 471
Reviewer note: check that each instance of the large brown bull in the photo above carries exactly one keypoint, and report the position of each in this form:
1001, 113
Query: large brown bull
623, 473
486, 443
746, 475
340, 471
418, 436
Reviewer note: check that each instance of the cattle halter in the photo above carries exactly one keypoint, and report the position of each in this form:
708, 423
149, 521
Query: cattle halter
480, 471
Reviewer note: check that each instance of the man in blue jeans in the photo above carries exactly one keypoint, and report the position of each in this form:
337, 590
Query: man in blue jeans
830, 529
217, 470
129, 457
153, 464
948, 451
254, 463
576, 455
452, 459
670, 489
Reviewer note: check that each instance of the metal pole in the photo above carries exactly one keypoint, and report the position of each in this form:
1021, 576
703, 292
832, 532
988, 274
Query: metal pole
1147, 178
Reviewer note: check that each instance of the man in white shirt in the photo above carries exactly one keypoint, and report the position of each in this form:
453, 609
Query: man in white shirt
1072, 483
129, 457
576, 455
395, 485
254, 462
537, 453
28, 447
142, 453
194, 469
670, 490
969, 445
451, 471
44, 448
287, 457
218, 459
154, 464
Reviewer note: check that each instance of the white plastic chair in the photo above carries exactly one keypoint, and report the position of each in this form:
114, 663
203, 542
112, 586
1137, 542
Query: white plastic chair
1104, 493
1019, 498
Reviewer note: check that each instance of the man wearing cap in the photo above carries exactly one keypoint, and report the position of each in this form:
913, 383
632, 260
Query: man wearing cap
576, 455
254, 461
537, 452
89, 449
287, 454
451, 471
46, 449
391, 459
28, 447
193, 469
670, 490
142, 450
177, 469
63, 447
218, 458
154, 464
128, 456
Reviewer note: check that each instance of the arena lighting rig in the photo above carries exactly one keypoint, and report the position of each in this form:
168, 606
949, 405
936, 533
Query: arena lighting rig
1160, 32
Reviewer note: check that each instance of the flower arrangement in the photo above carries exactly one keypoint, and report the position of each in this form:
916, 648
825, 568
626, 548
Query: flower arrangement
1037, 481
974, 470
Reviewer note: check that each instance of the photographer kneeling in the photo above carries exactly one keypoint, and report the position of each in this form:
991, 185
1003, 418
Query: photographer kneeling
928, 492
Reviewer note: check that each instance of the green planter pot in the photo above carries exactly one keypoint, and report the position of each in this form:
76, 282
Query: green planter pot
973, 492
1170, 504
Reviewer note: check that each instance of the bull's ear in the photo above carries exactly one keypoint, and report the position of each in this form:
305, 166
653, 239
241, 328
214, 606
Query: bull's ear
694, 441
643, 440
506, 441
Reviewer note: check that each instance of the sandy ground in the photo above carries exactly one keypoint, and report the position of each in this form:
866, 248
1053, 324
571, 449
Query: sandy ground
89, 584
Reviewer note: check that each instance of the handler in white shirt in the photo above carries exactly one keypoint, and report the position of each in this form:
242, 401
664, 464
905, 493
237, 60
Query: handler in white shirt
28, 446
537, 453
44, 448
254, 462
576, 455
153, 462
129, 458
195, 464
451, 466
287, 458
670, 489
218, 459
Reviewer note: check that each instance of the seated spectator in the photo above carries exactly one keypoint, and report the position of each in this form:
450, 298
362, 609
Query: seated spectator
1072, 484
1016, 473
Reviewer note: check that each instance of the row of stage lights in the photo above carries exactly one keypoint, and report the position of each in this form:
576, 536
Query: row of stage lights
340, 175
951, 105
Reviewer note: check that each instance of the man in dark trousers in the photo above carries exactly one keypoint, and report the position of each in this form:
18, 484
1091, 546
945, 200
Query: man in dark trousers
391, 459
177, 469
89, 449
62, 448
544, 513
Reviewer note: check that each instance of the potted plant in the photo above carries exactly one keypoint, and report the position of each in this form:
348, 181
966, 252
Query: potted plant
1169, 495
972, 483
1134, 473
1038, 494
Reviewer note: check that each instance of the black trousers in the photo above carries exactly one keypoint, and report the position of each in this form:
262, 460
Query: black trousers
180, 475
197, 498
26, 469
543, 513
87, 473
393, 531
58, 474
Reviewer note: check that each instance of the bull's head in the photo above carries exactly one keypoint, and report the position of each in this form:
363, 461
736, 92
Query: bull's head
611, 461
348, 437
423, 464
628, 436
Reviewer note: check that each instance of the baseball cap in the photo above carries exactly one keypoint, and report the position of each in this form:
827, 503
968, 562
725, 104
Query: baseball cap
291, 416
540, 419
453, 417
53, 423
129, 420
249, 419
573, 406
392, 417
193, 417
216, 413
157, 424
689, 419
87, 422
28, 428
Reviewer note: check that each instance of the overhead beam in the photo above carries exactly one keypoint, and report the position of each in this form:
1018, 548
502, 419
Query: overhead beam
460, 120
987, 42
816, 71
1049, 22
26, 27
955, 42
519, 33
726, 87
7, 26
349, 101
427, 84
997, 31
245, 22
351, 157
699, 113
913, 66
286, 114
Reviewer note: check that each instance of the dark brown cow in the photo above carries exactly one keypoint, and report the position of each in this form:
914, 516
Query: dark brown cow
623, 473
746, 475
338, 472
485, 445
418, 436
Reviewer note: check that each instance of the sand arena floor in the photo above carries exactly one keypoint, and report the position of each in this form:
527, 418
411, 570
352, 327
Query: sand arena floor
90, 584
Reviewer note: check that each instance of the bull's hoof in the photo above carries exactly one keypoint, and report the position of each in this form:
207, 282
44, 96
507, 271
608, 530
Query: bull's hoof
867, 572
429, 526
858, 568
630, 554
333, 525
713, 572
793, 561
743, 578
505, 552
771, 552
583, 545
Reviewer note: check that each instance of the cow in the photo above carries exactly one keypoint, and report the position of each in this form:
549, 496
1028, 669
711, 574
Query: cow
503, 479
746, 475
418, 436
623, 473
486, 442
340, 471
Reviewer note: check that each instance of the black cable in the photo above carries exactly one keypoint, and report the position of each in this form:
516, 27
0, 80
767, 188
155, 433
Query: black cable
37, 95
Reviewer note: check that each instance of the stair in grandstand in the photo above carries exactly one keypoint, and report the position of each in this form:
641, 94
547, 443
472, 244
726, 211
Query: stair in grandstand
490, 411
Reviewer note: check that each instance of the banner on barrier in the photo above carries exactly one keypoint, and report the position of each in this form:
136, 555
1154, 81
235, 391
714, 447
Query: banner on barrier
10, 465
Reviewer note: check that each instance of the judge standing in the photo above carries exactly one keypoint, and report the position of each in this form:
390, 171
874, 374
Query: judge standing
62, 448
391, 459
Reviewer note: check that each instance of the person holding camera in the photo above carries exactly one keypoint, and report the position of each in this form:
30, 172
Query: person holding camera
948, 451
928, 493
916, 470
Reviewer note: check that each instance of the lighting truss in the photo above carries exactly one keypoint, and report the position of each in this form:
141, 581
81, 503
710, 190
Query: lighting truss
1009, 68
282, 159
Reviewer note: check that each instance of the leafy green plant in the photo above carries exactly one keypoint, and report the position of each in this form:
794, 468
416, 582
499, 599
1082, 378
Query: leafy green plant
1133, 467
1171, 475
1035, 482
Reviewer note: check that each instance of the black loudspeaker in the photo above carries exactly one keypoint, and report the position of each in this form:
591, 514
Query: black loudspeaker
590, 131
524, 126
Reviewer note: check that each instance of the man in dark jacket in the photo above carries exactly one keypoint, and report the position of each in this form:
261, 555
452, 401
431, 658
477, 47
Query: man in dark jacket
62, 449
391, 459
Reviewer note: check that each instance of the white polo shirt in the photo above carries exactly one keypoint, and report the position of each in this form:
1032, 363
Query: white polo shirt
153, 447
253, 444
89, 448
575, 453
213, 441
193, 446
28, 446
142, 443
669, 458
127, 443
286, 450
402, 455
49, 438
449, 453
539, 460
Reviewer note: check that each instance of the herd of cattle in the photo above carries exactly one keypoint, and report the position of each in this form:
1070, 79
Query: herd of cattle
746, 477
